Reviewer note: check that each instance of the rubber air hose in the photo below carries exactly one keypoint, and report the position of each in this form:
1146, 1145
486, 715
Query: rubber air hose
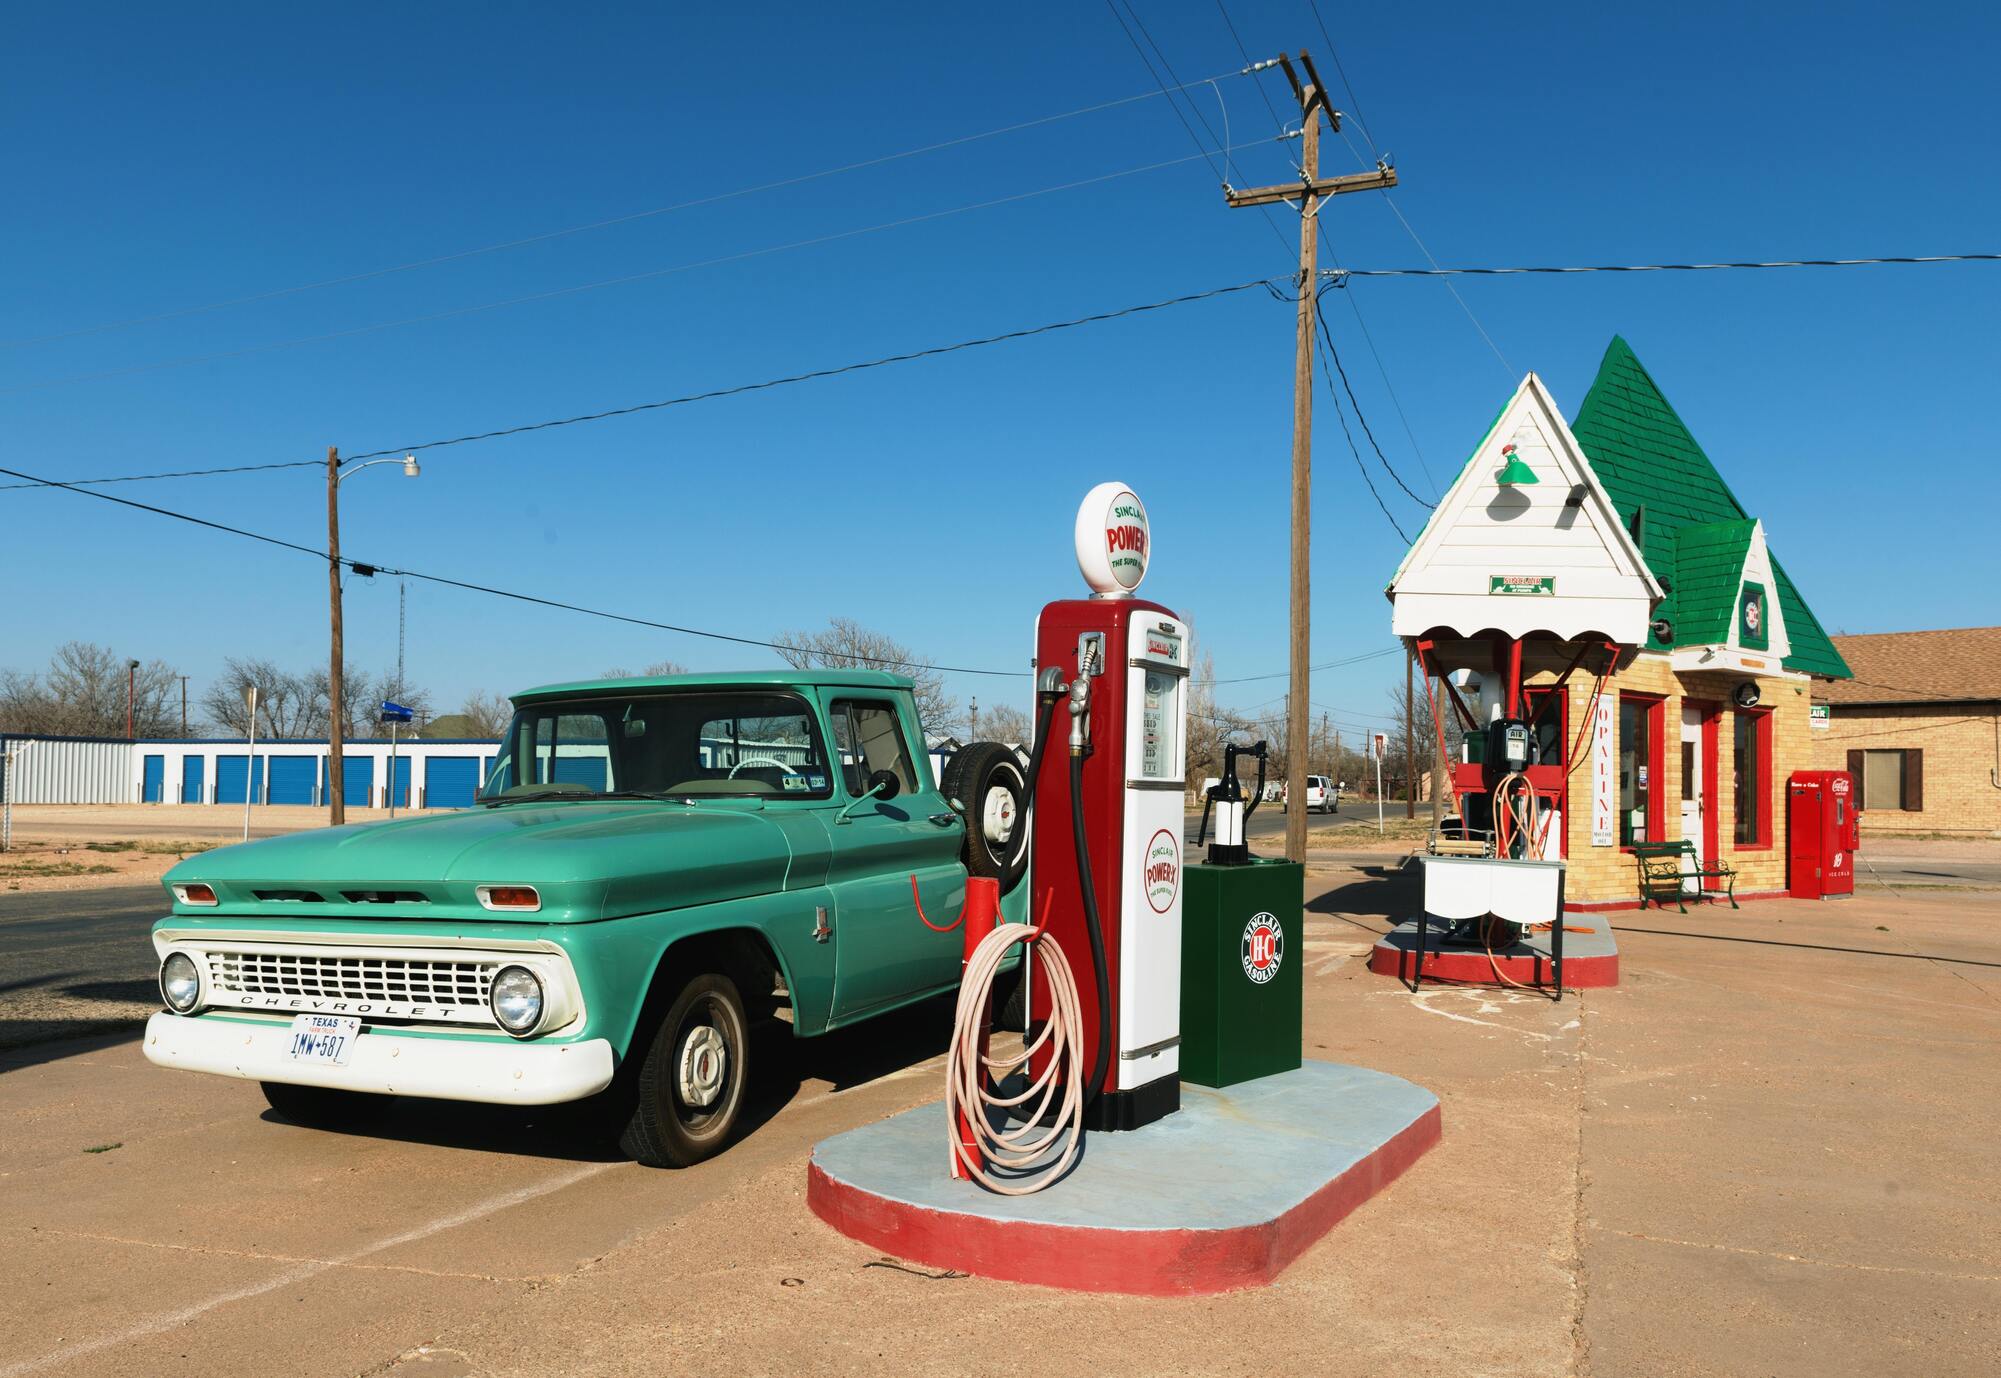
1102, 1062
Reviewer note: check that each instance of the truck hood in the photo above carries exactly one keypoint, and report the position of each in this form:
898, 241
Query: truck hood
588, 860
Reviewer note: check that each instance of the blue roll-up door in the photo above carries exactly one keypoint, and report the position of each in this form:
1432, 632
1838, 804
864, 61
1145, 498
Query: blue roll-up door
293, 779
357, 781
581, 770
233, 779
153, 781
451, 782
402, 782
192, 782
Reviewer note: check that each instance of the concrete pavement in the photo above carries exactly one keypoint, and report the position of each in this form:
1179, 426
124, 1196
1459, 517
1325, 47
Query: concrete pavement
1770, 1150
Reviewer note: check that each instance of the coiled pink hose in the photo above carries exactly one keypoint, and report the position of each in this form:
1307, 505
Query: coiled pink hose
1015, 1161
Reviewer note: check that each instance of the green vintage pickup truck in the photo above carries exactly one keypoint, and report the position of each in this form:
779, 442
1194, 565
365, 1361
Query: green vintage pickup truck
655, 869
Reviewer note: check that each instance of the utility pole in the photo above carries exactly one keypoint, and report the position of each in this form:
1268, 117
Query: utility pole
184, 705
336, 790
1308, 191
131, 688
402, 598
1409, 737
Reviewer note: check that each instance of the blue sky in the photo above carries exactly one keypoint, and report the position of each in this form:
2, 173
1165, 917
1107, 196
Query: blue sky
160, 159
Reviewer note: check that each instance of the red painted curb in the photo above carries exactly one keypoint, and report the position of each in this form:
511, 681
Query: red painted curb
1150, 1263
1471, 968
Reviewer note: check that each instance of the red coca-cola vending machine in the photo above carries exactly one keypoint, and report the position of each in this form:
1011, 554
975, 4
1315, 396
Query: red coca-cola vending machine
1823, 828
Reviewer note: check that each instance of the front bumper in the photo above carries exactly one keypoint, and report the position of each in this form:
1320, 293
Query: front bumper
499, 1073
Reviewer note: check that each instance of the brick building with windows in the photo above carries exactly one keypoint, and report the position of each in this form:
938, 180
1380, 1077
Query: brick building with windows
1920, 728
1666, 659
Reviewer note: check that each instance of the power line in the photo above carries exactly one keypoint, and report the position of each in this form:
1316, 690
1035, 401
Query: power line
545, 237
741, 388
183, 473
688, 398
1321, 346
1356, 404
1339, 273
1354, 102
485, 588
1203, 148
1311, 669
621, 281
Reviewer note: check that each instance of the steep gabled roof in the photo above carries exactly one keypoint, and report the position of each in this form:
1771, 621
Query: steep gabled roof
1549, 555
1654, 471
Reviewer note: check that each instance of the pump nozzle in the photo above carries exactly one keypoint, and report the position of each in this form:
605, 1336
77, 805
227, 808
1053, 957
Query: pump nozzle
1080, 712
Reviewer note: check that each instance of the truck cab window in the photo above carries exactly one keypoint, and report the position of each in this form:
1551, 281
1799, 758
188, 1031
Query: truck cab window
869, 738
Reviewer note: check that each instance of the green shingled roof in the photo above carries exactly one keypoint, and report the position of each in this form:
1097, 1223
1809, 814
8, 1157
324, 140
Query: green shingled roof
1653, 469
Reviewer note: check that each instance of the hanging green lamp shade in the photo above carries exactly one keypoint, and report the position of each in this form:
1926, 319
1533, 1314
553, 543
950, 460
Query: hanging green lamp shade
1515, 472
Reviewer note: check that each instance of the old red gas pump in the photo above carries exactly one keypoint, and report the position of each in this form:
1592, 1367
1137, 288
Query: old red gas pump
1105, 852
1823, 829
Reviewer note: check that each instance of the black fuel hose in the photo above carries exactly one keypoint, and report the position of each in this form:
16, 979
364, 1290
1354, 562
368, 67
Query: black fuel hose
1035, 760
1102, 1062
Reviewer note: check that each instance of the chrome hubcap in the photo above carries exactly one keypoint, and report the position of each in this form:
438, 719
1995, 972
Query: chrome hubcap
704, 1064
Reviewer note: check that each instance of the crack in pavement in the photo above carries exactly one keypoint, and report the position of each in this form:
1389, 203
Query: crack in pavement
1799, 1258
264, 1256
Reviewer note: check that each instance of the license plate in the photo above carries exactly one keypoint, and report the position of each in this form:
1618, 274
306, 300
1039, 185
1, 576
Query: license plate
324, 1039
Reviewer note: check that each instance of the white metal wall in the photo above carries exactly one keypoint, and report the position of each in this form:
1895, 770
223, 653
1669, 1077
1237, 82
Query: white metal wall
55, 770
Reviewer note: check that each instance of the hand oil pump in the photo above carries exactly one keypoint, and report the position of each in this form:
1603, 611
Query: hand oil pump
1232, 814
1110, 883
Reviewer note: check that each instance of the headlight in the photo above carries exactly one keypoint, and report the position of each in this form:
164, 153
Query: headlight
516, 998
180, 982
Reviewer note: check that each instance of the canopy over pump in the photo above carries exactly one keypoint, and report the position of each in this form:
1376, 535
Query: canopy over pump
1524, 569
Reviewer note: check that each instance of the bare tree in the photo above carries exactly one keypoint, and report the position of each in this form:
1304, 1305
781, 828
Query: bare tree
847, 645
659, 669
486, 715
1210, 727
1003, 723
293, 705
83, 694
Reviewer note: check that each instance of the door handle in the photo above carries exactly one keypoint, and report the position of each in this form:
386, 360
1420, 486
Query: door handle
944, 820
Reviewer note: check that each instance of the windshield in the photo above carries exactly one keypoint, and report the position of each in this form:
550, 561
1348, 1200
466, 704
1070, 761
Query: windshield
662, 743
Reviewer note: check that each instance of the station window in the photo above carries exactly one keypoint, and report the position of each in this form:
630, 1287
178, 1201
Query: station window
1891, 779
1751, 776
1640, 795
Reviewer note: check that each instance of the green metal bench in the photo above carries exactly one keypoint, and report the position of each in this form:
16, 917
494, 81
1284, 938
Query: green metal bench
1662, 874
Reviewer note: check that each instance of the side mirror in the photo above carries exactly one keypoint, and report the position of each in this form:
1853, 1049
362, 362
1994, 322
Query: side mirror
881, 785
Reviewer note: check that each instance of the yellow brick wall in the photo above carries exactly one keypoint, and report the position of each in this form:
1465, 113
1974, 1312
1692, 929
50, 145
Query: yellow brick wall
1608, 873
1962, 747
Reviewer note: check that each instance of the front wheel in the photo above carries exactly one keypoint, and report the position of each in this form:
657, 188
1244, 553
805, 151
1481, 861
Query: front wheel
691, 1084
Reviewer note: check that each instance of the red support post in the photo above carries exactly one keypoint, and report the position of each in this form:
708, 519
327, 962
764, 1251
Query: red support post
978, 919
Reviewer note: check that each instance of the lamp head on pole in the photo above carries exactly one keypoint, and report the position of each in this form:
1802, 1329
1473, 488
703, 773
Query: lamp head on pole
410, 466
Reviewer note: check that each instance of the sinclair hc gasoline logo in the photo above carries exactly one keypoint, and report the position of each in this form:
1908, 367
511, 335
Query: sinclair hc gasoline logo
1264, 948
1161, 871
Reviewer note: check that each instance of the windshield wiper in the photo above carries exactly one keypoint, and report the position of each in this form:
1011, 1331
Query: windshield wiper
552, 796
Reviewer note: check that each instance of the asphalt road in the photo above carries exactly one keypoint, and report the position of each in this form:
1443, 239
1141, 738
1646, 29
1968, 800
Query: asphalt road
76, 961
1268, 821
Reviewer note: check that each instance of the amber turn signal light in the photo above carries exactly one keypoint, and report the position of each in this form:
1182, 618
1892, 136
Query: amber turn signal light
517, 898
195, 894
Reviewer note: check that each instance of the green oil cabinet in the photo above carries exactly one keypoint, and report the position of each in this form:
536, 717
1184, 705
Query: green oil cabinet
1243, 944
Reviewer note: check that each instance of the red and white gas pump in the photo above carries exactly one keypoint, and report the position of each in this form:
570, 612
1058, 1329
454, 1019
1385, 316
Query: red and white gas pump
1121, 665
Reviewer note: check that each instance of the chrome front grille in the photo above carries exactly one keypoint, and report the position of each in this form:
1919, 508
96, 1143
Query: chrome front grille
380, 983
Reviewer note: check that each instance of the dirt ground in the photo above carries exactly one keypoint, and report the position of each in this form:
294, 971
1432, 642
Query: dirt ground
1770, 1150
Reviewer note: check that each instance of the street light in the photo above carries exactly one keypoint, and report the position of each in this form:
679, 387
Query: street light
336, 783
